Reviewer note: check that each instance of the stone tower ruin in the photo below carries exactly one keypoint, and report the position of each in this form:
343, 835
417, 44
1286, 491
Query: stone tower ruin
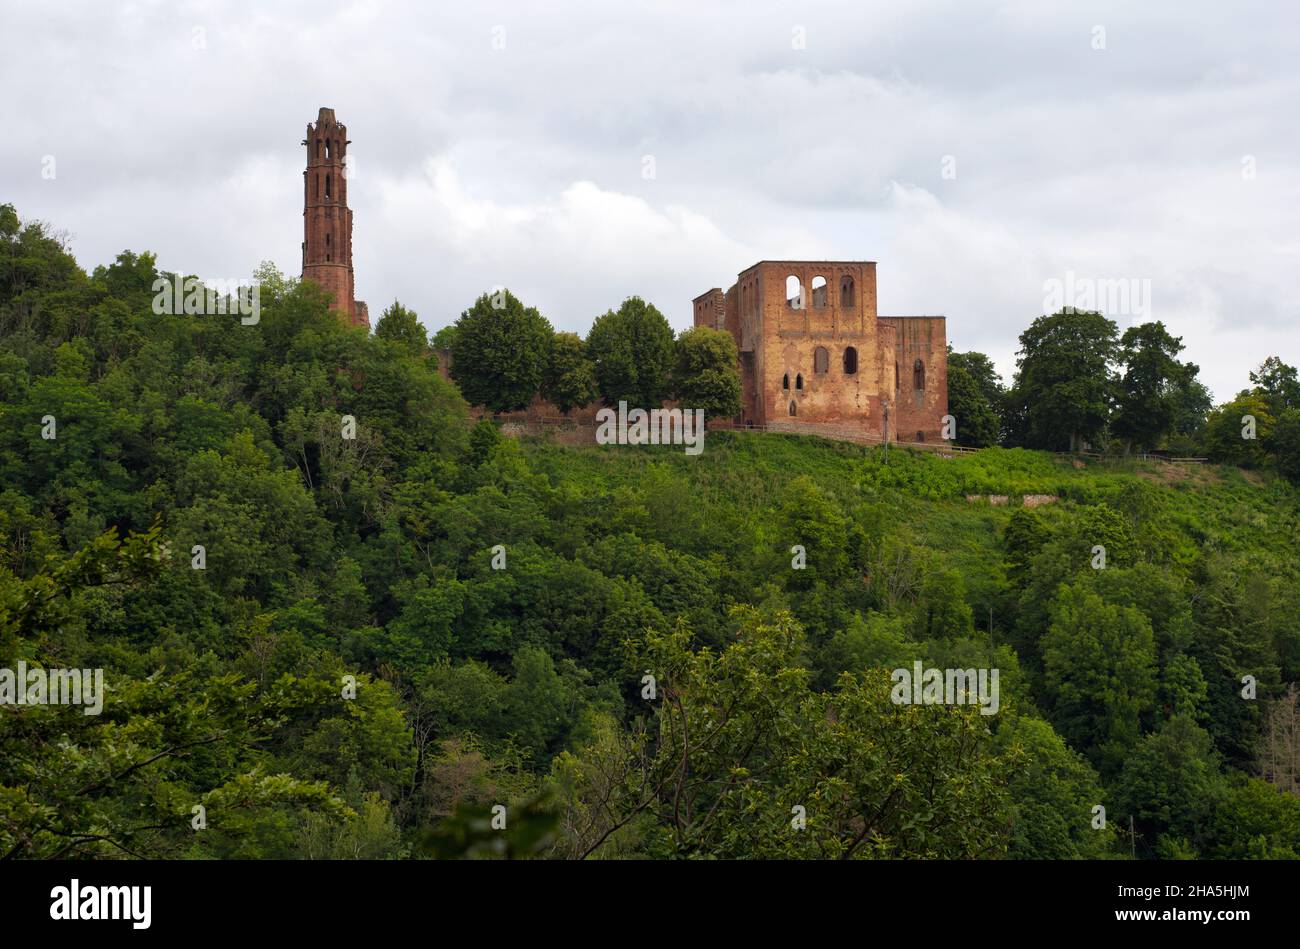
327, 219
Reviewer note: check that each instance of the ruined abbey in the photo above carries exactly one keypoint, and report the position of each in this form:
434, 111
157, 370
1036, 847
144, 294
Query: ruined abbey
814, 352
327, 219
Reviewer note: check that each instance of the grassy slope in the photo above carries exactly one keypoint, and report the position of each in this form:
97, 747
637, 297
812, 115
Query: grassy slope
1254, 518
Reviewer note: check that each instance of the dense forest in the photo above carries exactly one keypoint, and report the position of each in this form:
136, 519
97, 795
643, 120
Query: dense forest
340, 618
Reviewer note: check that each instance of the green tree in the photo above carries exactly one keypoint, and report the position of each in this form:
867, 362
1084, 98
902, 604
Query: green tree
569, 381
1054, 792
1169, 782
977, 420
1145, 413
981, 371
1189, 401
1099, 673
741, 759
1284, 443
1064, 383
1230, 427
499, 351
401, 326
632, 348
707, 372
1278, 384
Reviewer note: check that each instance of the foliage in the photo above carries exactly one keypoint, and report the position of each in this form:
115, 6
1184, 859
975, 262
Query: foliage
632, 348
499, 350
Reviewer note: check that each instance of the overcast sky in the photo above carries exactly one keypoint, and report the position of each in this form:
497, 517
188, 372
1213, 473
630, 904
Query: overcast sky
579, 153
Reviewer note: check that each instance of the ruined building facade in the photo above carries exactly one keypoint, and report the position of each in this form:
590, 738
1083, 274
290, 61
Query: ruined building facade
814, 351
327, 219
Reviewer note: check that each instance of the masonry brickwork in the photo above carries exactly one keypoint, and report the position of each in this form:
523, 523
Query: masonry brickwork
814, 350
327, 219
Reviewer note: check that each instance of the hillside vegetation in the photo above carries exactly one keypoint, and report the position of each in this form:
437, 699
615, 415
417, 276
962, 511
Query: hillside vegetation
391, 641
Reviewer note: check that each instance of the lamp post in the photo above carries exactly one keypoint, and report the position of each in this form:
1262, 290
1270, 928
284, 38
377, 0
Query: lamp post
885, 402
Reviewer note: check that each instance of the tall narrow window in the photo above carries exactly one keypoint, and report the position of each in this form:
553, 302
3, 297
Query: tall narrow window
820, 295
798, 381
850, 361
327, 149
896, 382
846, 291
793, 408
918, 375
785, 381
821, 360
793, 292
327, 186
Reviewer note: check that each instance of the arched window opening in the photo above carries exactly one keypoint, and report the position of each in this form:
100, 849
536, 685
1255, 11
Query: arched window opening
793, 409
821, 360
328, 150
820, 296
785, 381
798, 381
793, 292
850, 361
918, 375
328, 191
846, 290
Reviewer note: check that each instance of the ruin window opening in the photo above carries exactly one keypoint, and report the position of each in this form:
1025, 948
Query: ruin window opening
793, 409
821, 360
785, 381
850, 361
793, 292
920, 436
328, 191
918, 376
798, 381
820, 295
327, 149
846, 290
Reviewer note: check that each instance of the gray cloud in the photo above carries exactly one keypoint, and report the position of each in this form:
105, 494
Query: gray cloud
175, 128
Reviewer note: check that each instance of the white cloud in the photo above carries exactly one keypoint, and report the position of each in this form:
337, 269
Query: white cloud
523, 165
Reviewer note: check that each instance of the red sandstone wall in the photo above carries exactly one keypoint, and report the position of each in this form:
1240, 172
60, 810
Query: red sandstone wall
779, 343
916, 410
